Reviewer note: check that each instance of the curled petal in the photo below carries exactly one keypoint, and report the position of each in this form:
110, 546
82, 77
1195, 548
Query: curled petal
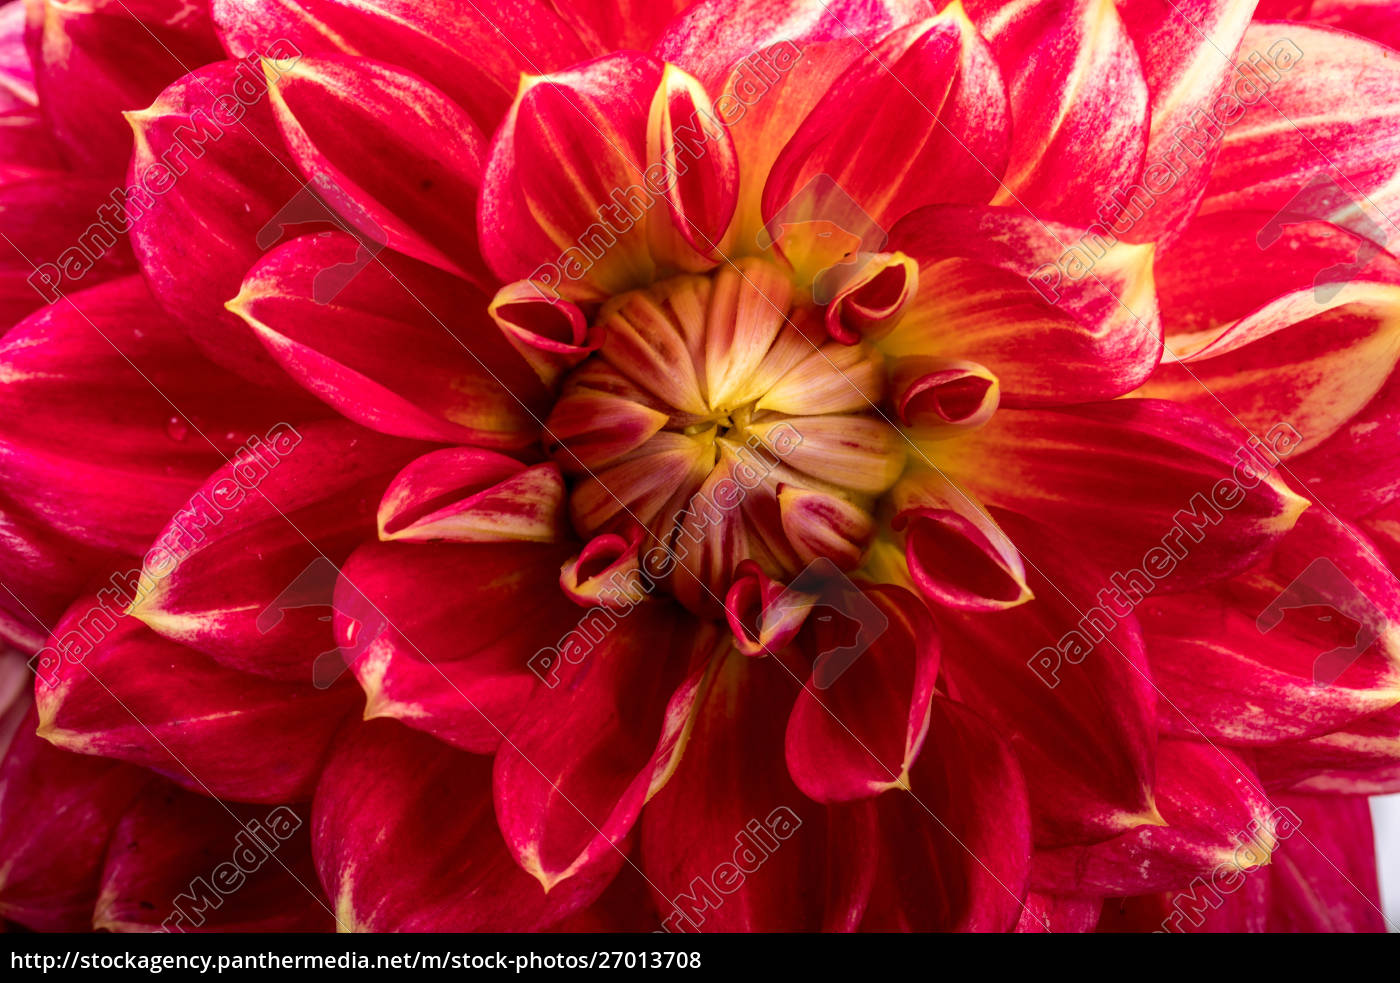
470, 496
937, 393
549, 333
764, 615
872, 301
607, 572
961, 558
819, 524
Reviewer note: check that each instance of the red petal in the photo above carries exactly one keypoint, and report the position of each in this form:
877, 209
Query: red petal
235, 572
589, 752
417, 192
856, 730
1325, 880
199, 235
565, 183
1187, 50
920, 118
1146, 485
955, 848
58, 243
1079, 105
110, 418
458, 48
730, 844
56, 816
1080, 716
1315, 130
399, 611
452, 377
714, 35
470, 496
94, 60
1215, 816
124, 692
607, 25
1052, 913
394, 810
1300, 646
186, 863
1016, 295
1362, 758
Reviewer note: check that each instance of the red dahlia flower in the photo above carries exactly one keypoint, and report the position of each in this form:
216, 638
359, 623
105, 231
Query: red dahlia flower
765, 465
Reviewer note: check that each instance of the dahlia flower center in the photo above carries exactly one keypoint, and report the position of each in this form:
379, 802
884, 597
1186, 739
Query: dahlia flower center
718, 423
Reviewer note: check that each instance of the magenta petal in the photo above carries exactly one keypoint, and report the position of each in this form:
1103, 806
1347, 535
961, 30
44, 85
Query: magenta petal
465, 495
56, 244
110, 418
457, 47
94, 60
